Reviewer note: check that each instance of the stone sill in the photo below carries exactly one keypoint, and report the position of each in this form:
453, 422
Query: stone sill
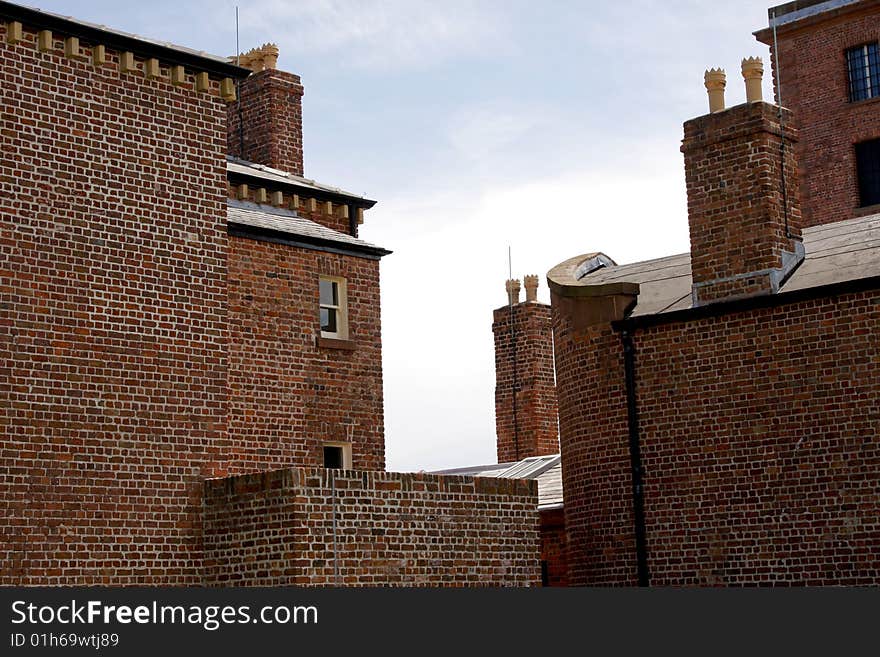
865, 210
336, 343
864, 101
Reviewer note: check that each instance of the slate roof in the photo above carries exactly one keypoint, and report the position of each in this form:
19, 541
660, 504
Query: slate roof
252, 170
280, 222
547, 470
835, 253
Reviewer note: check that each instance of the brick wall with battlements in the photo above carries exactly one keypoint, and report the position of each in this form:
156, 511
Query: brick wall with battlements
277, 529
113, 344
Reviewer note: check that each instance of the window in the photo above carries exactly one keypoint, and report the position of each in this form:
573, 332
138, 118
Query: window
868, 168
334, 313
863, 66
337, 456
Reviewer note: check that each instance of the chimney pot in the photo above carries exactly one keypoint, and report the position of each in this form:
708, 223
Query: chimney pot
753, 72
531, 284
715, 80
513, 288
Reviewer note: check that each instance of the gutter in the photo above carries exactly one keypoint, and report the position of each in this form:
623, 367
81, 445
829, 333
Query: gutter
305, 242
749, 303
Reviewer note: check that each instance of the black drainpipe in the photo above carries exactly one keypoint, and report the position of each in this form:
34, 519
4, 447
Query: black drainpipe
635, 457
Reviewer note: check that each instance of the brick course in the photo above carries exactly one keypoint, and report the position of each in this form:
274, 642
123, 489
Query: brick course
277, 529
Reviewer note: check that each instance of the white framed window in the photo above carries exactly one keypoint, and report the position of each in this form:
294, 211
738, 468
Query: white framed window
337, 456
333, 307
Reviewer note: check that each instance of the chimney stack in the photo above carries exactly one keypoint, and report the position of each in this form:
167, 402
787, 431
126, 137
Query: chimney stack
265, 124
742, 187
525, 387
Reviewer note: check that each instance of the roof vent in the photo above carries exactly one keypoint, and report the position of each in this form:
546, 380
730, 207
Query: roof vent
589, 266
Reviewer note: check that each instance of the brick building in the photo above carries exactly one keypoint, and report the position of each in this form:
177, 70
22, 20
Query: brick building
718, 410
190, 345
836, 43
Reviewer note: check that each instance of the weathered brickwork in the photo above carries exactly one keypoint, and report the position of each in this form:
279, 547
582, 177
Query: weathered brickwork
113, 337
760, 438
530, 344
742, 218
553, 542
815, 87
265, 124
288, 395
314, 527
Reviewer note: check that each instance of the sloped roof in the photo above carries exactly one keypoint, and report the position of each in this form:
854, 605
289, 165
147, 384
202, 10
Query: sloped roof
268, 221
835, 253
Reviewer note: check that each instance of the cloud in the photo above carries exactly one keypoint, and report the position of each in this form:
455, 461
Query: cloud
482, 131
386, 35
443, 281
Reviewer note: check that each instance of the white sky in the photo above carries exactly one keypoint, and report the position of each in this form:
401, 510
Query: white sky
551, 127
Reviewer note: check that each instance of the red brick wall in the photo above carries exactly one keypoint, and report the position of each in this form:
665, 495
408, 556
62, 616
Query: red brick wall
736, 205
553, 546
270, 109
113, 336
536, 418
815, 88
288, 395
759, 434
391, 530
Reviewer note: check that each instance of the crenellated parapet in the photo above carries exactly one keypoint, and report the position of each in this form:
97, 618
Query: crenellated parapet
105, 50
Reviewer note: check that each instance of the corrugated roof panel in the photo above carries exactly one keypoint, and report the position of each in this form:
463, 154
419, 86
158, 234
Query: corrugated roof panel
530, 468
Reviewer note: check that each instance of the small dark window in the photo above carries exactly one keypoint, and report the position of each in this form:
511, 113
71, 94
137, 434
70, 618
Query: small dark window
863, 67
545, 574
868, 167
333, 457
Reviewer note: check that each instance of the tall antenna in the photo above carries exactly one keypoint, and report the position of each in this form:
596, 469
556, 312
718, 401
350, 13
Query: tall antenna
238, 92
514, 383
781, 122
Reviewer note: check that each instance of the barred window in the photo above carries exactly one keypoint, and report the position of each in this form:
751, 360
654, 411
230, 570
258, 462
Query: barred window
863, 66
868, 167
